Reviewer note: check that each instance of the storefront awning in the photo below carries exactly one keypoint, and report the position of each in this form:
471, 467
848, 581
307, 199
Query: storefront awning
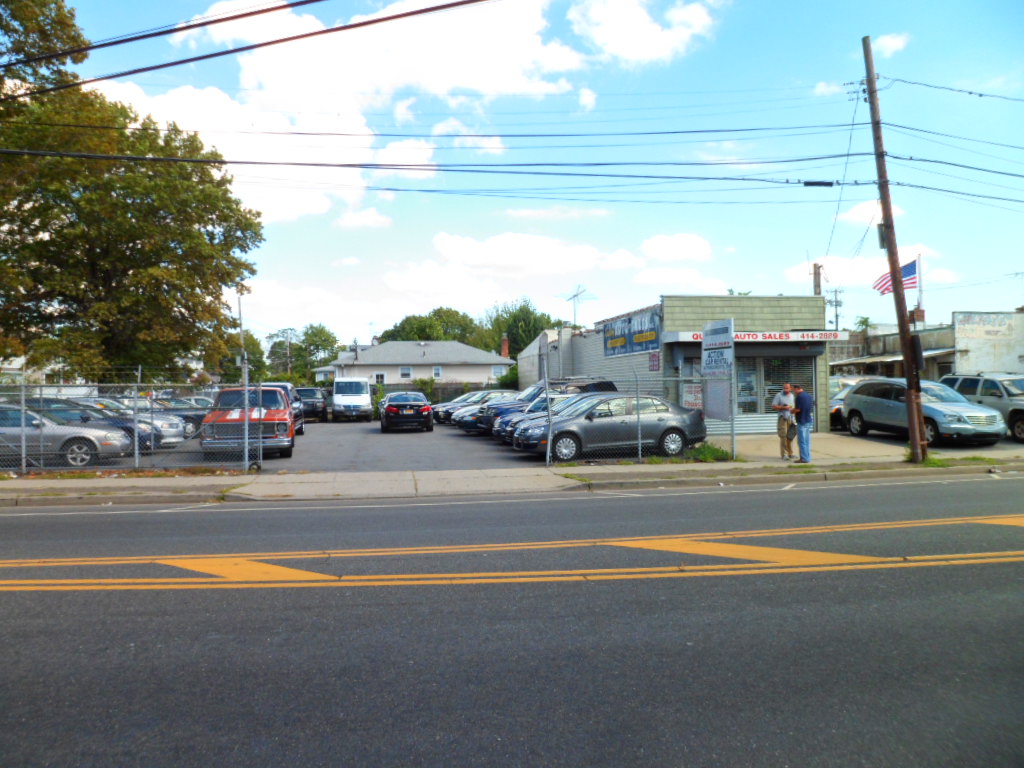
867, 360
890, 358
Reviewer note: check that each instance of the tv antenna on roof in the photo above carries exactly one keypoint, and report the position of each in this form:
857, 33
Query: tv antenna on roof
575, 299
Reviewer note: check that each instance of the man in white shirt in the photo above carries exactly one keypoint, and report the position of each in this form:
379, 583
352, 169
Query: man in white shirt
783, 405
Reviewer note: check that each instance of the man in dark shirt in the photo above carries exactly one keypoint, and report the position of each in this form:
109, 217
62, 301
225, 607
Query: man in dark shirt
804, 409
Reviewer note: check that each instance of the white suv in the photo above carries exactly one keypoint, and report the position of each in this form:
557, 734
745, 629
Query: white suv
1002, 391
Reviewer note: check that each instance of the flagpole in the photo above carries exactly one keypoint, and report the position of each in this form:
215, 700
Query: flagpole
920, 282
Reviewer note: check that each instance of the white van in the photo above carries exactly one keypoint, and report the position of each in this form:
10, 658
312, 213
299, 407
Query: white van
350, 399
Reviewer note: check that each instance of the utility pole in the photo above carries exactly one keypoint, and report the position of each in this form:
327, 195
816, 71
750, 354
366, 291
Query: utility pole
915, 424
835, 302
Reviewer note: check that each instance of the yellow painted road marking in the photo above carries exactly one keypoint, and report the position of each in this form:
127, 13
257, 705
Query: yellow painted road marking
237, 569
252, 571
743, 552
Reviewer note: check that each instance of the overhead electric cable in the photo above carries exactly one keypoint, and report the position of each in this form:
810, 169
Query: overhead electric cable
839, 202
160, 32
253, 47
948, 88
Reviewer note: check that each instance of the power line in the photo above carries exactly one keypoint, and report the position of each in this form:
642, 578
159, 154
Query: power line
158, 32
954, 90
246, 48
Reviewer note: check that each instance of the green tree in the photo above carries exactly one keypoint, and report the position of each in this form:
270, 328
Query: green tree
520, 321
414, 328
227, 364
29, 28
285, 353
319, 344
115, 263
455, 325
863, 324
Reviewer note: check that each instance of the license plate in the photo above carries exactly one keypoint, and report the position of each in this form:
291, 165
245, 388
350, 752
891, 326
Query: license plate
407, 411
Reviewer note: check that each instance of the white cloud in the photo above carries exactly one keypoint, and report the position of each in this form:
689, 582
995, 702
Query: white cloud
367, 218
403, 111
861, 271
680, 280
464, 137
679, 247
868, 212
888, 45
556, 213
827, 89
416, 153
347, 261
588, 99
624, 29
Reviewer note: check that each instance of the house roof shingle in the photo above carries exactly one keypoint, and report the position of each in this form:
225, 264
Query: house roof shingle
427, 353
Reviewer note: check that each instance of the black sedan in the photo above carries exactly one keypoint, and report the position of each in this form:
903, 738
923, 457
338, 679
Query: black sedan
406, 409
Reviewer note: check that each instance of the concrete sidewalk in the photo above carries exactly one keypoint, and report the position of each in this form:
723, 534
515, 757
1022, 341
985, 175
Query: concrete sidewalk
836, 456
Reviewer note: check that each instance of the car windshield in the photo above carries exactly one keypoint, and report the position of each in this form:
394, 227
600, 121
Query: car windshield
270, 398
174, 402
530, 393
407, 397
351, 387
1014, 387
939, 393
309, 392
842, 393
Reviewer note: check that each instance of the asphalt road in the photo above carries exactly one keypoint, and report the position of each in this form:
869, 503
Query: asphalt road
859, 625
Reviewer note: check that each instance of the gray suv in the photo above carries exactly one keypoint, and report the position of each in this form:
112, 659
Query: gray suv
882, 404
1002, 391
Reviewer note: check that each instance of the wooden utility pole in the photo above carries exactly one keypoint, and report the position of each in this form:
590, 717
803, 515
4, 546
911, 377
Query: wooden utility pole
915, 424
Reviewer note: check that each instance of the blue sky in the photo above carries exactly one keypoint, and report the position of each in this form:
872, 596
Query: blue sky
643, 148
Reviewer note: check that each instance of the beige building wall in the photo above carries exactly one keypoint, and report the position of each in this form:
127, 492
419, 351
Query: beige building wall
756, 313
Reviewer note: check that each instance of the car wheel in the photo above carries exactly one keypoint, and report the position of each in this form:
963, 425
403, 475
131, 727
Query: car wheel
383, 427
931, 432
78, 453
856, 424
1017, 428
566, 448
301, 428
430, 427
672, 443
334, 418
286, 453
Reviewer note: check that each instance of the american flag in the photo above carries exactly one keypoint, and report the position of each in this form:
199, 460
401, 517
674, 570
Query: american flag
909, 272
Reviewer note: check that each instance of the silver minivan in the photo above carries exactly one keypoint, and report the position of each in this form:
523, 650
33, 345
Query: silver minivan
881, 404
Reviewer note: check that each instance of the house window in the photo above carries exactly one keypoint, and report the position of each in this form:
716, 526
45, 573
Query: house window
497, 371
378, 378
437, 371
405, 372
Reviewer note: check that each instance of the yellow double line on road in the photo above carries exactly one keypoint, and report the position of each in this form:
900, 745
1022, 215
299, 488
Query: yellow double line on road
256, 571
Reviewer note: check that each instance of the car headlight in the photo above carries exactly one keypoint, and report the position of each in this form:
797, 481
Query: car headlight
115, 437
145, 428
955, 418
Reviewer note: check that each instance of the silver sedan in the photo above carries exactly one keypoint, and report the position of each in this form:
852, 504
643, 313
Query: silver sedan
50, 440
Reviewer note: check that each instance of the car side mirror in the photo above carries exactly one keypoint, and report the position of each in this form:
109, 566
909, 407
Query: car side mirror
37, 423
590, 416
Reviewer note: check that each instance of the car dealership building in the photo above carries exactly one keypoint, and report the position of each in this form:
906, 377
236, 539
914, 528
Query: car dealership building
777, 339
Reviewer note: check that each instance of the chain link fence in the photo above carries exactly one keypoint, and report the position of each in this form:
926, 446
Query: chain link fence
140, 426
644, 417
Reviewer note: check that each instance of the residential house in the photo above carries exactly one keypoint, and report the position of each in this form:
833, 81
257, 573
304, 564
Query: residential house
395, 362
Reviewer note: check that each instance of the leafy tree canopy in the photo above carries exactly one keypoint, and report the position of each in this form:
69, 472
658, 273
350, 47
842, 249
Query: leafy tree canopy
518, 319
112, 264
29, 28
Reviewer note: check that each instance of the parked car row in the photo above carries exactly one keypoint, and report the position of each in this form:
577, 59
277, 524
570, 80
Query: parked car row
576, 419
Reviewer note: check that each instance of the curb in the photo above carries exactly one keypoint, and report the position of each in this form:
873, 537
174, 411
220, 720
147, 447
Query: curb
823, 475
